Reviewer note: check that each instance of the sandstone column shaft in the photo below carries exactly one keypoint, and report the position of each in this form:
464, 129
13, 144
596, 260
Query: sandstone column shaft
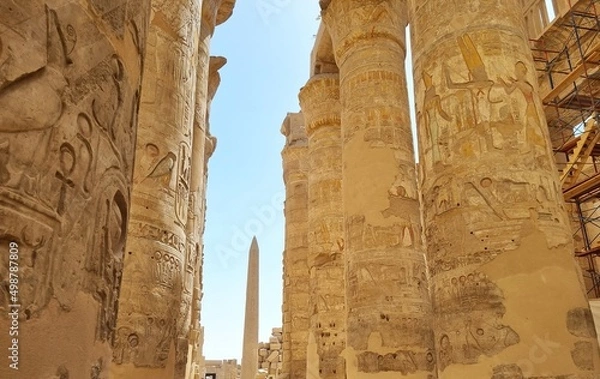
388, 308
250, 349
296, 292
320, 104
506, 292
70, 76
214, 12
196, 212
191, 335
159, 260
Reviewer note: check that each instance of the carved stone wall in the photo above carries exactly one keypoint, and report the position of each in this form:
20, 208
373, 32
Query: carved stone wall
296, 287
320, 103
506, 293
70, 75
388, 308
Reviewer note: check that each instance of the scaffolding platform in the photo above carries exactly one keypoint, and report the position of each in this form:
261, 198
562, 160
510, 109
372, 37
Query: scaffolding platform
567, 58
566, 54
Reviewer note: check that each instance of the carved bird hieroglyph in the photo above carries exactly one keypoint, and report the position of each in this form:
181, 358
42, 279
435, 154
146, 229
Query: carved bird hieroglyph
163, 170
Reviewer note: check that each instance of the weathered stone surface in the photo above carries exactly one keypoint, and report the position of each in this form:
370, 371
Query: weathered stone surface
70, 76
159, 327
320, 104
270, 357
388, 306
296, 287
203, 146
160, 262
505, 289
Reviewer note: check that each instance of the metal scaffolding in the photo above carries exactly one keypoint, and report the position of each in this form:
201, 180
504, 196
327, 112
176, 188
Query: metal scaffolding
567, 58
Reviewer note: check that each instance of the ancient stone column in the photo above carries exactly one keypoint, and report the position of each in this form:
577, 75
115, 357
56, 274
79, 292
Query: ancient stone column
159, 262
70, 75
506, 292
202, 148
388, 308
214, 12
250, 348
296, 288
320, 104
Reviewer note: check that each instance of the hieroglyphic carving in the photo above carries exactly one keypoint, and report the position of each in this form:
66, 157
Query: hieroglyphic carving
535, 134
105, 260
182, 189
482, 333
25, 129
165, 226
86, 151
432, 109
479, 82
67, 107
493, 213
369, 236
163, 170
296, 308
382, 235
405, 362
152, 331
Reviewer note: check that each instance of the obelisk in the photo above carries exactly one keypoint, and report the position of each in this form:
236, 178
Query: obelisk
250, 352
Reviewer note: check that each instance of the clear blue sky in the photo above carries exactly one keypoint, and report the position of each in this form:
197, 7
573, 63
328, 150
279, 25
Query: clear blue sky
267, 44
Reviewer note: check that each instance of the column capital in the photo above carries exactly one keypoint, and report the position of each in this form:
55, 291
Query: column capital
355, 22
215, 12
320, 102
225, 11
214, 77
209, 147
294, 153
294, 131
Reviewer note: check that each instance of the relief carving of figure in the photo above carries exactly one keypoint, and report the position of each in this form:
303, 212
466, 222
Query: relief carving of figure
111, 265
29, 124
432, 108
109, 99
533, 121
184, 172
479, 83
